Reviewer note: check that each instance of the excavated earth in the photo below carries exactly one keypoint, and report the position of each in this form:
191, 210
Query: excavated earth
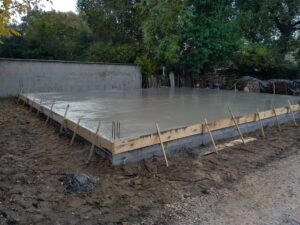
256, 183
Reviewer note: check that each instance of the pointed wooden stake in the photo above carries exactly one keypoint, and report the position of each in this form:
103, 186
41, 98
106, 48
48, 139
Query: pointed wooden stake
75, 131
24, 102
64, 119
31, 105
292, 112
211, 136
39, 108
51, 112
94, 143
236, 124
261, 124
19, 96
277, 121
162, 144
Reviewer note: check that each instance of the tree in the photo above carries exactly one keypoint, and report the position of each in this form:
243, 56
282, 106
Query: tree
275, 22
110, 20
116, 29
9, 10
49, 35
190, 36
162, 41
210, 34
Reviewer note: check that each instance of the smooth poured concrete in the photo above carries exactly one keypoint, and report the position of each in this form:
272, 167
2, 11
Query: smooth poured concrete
62, 76
138, 110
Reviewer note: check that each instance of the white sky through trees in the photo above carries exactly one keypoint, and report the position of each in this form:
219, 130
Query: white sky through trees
57, 5
61, 5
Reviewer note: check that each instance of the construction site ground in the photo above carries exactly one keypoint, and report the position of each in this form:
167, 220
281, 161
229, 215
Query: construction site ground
256, 183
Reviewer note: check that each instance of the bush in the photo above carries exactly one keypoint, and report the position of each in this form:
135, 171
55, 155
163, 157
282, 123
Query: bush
264, 62
147, 66
107, 52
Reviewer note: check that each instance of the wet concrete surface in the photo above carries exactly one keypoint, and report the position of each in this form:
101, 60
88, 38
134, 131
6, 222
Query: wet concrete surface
138, 110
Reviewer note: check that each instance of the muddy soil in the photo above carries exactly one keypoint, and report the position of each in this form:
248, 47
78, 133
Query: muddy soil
34, 160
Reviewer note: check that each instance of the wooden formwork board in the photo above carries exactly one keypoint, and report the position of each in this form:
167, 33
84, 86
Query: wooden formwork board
127, 145
121, 146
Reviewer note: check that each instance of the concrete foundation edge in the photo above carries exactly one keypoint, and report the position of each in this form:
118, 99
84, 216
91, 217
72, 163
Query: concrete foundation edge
181, 145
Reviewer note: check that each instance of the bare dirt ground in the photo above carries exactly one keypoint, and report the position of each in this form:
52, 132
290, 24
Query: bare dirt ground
257, 183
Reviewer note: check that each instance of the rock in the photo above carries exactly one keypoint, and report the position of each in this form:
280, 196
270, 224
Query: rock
79, 182
248, 84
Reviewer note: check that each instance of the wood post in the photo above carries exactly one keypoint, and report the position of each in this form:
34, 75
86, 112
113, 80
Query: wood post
292, 112
75, 131
51, 112
274, 88
24, 102
261, 124
162, 144
235, 89
236, 124
93, 143
277, 121
64, 119
39, 108
19, 96
31, 105
211, 136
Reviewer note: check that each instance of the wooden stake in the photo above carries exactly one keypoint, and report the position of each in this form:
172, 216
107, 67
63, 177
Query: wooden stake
292, 112
236, 124
261, 124
93, 144
75, 131
19, 96
31, 106
235, 89
162, 145
51, 112
277, 121
274, 88
39, 108
64, 119
24, 102
211, 136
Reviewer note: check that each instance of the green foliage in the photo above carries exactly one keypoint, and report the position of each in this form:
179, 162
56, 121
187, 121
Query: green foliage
110, 20
264, 62
108, 52
147, 66
194, 36
54, 35
275, 22
161, 35
209, 35
9, 10
188, 37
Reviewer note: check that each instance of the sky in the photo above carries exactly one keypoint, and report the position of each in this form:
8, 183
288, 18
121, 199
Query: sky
57, 5
61, 5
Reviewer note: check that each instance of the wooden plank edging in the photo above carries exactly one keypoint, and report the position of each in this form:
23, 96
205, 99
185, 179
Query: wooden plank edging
121, 146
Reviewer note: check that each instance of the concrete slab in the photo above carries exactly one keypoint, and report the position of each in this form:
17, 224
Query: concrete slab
139, 109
